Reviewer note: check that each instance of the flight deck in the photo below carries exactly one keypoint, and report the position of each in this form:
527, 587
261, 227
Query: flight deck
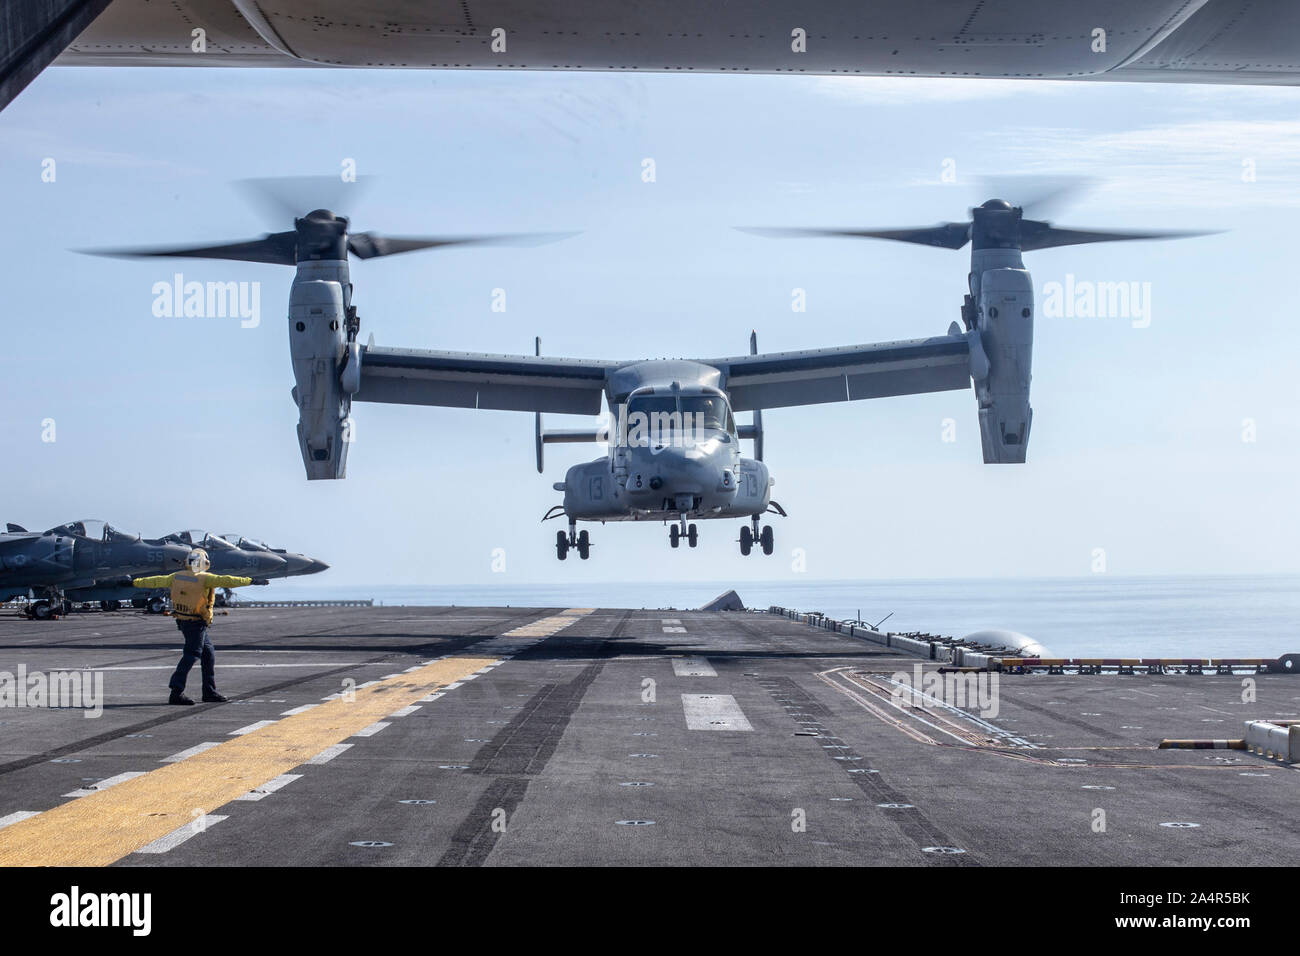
455, 736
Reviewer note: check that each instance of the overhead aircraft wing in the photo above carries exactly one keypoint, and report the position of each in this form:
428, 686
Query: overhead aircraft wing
845, 374
522, 383
1198, 41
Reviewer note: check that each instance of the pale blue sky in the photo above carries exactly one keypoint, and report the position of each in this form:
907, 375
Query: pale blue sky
1137, 440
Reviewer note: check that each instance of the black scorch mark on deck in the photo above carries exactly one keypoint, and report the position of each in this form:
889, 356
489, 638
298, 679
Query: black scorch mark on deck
522, 749
912, 821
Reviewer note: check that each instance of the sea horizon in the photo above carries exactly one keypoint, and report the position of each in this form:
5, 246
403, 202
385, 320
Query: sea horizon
1209, 615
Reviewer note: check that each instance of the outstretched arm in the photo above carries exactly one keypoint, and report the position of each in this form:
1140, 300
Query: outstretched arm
226, 581
157, 581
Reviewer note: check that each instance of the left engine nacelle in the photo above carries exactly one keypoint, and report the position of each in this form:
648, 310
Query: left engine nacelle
317, 343
1002, 368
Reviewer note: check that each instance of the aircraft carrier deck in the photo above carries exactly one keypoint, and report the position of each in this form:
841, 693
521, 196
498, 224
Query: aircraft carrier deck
500, 736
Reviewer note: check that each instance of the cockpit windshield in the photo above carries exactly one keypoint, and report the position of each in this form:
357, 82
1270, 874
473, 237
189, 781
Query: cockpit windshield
711, 411
668, 416
196, 538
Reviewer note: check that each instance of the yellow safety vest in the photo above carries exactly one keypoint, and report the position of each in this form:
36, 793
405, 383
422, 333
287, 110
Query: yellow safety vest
192, 593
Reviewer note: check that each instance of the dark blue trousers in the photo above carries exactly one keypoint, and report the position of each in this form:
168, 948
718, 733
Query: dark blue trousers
198, 647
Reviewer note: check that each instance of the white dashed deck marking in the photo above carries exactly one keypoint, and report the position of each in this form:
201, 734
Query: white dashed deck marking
17, 817
328, 754
105, 783
714, 712
191, 751
693, 667
270, 786
178, 836
372, 729
251, 727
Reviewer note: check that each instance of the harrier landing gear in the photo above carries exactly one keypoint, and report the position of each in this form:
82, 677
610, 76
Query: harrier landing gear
683, 530
572, 539
764, 538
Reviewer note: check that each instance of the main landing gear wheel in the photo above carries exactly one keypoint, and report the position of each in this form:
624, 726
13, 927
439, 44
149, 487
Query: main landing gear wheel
561, 545
766, 539
109, 605
674, 536
584, 545
156, 605
41, 611
692, 536
746, 539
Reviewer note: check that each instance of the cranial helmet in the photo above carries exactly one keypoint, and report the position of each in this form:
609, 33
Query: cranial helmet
198, 560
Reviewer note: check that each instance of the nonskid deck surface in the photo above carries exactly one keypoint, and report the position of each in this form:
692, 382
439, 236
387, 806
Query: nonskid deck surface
505, 736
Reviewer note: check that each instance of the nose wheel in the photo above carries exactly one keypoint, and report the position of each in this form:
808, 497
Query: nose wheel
578, 540
683, 530
764, 538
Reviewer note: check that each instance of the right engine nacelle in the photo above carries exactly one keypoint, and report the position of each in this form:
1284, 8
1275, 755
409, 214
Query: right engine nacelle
317, 339
1005, 334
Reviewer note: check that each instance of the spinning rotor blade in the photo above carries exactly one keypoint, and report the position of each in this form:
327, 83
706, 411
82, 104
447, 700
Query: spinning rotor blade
276, 248
368, 245
946, 235
1043, 235
1038, 197
286, 198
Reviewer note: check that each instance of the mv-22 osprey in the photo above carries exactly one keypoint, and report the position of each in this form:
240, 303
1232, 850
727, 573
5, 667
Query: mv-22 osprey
674, 446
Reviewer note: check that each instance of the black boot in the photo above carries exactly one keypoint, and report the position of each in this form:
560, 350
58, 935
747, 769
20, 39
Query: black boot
178, 697
212, 697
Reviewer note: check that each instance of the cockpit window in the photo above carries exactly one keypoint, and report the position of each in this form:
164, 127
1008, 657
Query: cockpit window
711, 410
670, 417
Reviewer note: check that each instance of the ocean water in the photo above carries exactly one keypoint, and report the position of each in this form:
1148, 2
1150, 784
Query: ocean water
1221, 616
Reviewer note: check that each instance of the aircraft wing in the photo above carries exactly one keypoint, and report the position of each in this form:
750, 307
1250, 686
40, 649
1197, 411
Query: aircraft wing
1198, 41
522, 383
845, 374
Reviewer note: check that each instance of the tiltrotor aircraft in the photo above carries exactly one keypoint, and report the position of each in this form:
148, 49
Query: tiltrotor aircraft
674, 446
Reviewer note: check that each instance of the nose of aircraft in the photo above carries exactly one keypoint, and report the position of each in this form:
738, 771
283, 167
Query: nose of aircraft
301, 564
268, 563
173, 556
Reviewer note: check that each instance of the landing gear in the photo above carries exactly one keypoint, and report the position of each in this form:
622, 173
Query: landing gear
40, 611
156, 605
110, 605
749, 536
572, 539
683, 530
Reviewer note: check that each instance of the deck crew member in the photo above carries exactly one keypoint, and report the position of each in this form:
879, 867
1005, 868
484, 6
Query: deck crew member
192, 596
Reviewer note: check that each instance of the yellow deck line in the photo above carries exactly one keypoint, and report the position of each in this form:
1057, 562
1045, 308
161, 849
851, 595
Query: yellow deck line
98, 829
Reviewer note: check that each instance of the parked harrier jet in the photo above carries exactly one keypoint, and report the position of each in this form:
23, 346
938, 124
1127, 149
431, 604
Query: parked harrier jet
227, 554
674, 446
295, 564
75, 555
